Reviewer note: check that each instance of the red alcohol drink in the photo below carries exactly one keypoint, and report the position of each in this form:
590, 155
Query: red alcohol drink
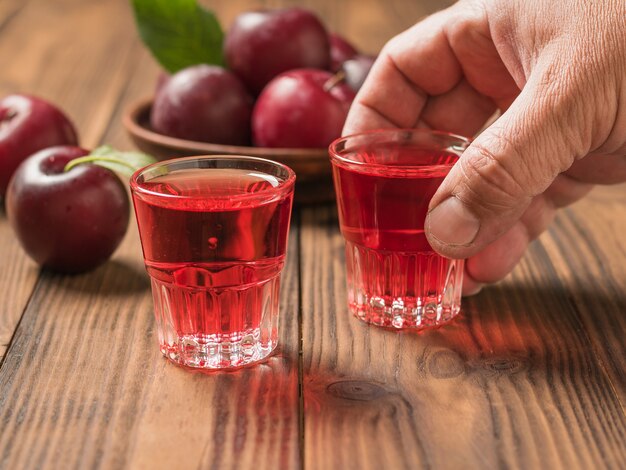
384, 182
214, 237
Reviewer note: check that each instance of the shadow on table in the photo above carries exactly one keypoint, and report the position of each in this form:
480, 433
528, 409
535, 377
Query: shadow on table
515, 334
113, 278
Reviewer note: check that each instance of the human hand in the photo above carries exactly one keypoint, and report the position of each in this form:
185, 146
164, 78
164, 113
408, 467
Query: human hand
556, 69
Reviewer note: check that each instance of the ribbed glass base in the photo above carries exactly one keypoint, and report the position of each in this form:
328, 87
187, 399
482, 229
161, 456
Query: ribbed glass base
402, 290
216, 328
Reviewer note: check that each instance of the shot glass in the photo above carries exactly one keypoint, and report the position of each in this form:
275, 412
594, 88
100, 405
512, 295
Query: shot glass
384, 180
214, 231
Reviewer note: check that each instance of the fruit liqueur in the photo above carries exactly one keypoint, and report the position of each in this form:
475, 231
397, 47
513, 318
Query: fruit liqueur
215, 250
394, 275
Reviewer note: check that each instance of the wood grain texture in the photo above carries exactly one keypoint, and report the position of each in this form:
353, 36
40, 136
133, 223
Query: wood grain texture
74, 53
588, 250
515, 382
18, 276
9, 10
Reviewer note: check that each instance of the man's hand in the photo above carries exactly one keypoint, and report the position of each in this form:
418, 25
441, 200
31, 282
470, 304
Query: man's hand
555, 69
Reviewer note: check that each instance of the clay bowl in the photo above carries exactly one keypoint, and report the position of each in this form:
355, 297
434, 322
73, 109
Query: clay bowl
312, 166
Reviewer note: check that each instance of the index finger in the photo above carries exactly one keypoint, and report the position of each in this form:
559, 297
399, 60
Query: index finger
414, 65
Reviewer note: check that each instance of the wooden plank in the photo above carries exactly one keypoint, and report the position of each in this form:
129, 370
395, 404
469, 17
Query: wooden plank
140, 84
75, 54
596, 276
514, 382
18, 276
9, 10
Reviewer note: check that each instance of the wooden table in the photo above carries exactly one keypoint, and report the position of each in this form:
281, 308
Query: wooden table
532, 375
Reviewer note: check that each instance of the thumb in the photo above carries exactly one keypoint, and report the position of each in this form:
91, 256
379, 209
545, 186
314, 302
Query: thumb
497, 176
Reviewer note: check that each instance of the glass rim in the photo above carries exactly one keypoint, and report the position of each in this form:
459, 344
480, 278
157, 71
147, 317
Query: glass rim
284, 186
337, 157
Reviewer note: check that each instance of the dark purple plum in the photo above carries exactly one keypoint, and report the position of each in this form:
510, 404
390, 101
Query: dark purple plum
356, 70
301, 108
204, 103
70, 221
262, 44
29, 124
340, 51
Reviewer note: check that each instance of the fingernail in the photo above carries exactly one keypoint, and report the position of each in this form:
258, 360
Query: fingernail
452, 223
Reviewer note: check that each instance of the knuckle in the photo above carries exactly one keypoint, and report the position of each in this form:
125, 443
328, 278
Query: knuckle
466, 23
391, 46
489, 185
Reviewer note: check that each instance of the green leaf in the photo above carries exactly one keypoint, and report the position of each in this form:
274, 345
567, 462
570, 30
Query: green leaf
179, 33
106, 156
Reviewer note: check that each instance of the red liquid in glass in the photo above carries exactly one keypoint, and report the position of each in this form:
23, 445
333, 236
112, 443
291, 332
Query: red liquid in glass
214, 251
394, 276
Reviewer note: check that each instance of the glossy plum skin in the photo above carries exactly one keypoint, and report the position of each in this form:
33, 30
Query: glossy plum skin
356, 70
340, 51
262, 44
29, 124
203, 103
295, 110
67, 222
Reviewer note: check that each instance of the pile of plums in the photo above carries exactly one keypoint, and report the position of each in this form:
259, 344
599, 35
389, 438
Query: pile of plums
67, 221
288, 83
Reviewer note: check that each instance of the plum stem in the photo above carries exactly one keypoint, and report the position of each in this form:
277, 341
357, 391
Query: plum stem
96, 158
334, 80
124, 163
6, 116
